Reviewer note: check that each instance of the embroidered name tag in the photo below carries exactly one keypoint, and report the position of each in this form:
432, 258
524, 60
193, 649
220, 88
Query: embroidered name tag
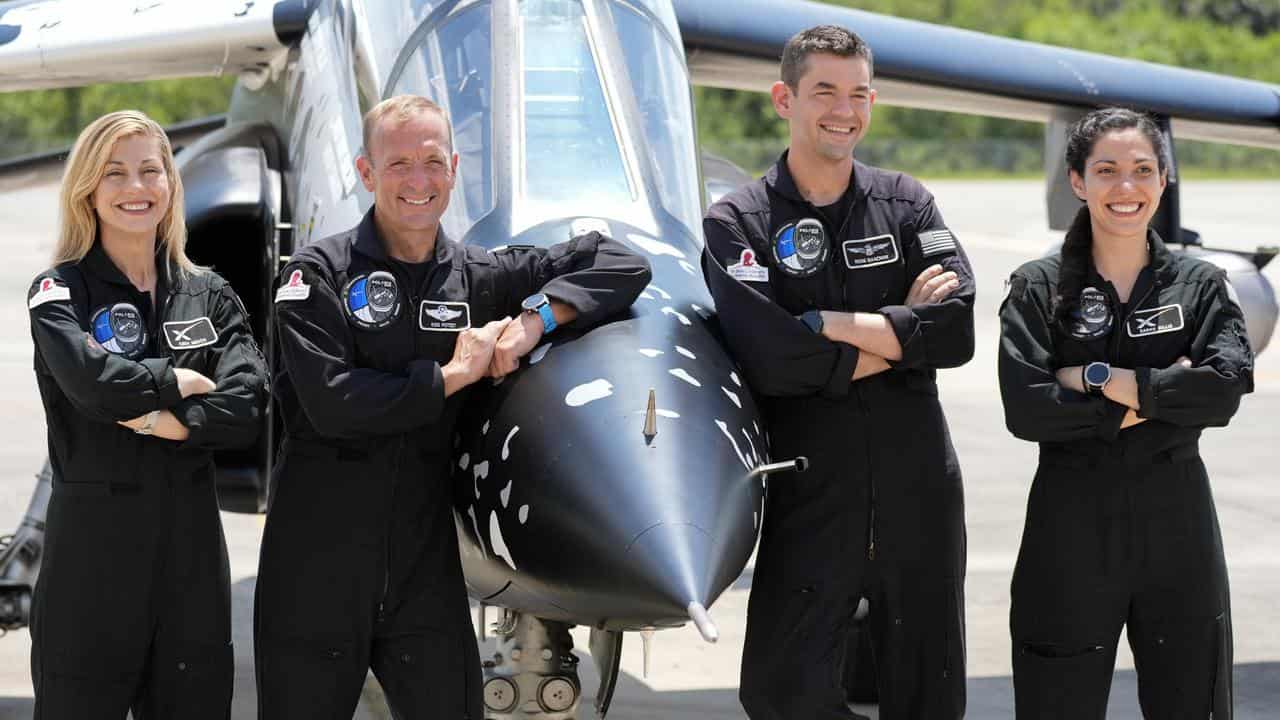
189, 334
439, 316
49, 291
1154, 321
870, 252
748, 269
937, 242
294, 289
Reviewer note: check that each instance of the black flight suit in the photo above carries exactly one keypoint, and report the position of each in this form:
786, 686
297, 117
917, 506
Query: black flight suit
880, 511
132, 607
1120, 525
360, 563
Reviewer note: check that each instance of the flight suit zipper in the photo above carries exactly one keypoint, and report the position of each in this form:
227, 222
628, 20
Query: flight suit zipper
1118, 332
871, 479
386, 537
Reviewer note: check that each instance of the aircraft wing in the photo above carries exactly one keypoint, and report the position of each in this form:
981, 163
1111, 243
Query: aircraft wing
69, 43
737, 44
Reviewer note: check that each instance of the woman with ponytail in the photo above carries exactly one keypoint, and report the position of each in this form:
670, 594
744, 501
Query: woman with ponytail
1114, 355
145, 365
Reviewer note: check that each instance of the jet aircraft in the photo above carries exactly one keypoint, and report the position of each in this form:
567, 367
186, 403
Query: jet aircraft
617, 480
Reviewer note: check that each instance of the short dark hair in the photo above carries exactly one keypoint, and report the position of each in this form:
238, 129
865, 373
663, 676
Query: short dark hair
827, 39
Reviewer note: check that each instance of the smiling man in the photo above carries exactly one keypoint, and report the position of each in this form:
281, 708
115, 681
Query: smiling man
841, 291
381, 329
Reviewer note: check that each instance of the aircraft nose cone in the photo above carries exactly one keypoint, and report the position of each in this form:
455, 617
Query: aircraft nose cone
675, 561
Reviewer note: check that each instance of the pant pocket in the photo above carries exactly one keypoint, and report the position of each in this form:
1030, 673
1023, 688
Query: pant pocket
1070, 681
429, 675
195, 684
308, 678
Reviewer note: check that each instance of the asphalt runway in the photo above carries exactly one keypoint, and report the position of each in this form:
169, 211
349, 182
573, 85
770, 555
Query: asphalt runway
1001, 224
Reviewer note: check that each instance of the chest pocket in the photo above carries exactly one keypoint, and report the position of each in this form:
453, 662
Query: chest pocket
873, 268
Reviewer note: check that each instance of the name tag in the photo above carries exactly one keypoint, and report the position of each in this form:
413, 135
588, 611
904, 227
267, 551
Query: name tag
870, 252
1154, 321
189, 334
440, 316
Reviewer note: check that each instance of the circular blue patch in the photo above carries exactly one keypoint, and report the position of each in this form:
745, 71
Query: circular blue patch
372, 301
800, 249
120, 330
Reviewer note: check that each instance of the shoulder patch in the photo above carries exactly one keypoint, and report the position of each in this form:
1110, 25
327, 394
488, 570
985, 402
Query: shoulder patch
748, 268
294, 288
937, 242
50, 290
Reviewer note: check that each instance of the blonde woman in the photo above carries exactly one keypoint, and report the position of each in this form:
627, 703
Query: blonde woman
145, 364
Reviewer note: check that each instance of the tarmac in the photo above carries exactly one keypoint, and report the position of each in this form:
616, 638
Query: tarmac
1001, 224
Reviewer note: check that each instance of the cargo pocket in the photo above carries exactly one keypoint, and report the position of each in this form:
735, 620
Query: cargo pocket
202, 682
402, 663
1061, 680
313, 677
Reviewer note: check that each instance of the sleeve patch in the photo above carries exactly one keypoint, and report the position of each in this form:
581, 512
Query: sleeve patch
294, 289
937, 242
49, 291
748, 269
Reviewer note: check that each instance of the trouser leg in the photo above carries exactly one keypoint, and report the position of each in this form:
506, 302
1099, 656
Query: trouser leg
1070, 594
917, 626
192, 662
320, 576
91, 623
803, 598
1180, 629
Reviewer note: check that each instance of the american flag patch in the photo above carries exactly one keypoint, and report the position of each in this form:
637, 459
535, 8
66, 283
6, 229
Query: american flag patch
937, 242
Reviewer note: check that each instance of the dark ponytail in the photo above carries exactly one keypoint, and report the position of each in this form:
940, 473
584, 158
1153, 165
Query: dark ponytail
1077, 247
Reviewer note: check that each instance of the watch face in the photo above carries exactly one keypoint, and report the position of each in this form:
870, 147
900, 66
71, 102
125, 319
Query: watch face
1097, 373
533, 302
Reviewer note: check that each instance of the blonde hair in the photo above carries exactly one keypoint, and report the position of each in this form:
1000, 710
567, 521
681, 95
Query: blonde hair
403, 107
86, 167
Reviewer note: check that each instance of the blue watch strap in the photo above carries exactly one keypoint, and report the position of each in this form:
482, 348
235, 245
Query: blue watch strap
548, 318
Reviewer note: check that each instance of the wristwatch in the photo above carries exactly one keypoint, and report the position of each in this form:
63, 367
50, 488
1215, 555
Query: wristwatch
540, 304
813, 320
1096, 375
149, 423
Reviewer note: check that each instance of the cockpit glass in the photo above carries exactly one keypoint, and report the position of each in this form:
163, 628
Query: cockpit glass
656, 68
453, 68
571, 152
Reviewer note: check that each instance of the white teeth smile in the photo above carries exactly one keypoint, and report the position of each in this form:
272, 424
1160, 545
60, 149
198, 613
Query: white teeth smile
841, 130
1124, 208
136, 206
416, 202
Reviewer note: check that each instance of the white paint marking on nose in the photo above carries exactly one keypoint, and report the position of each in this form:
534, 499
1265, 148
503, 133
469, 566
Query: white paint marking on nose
732, 396
734, 377
680, 373
523, 514
688, 268
668, 310
686, 353
665, 295
464, 461
724, 428
497, 541
505, 494
506, 444
650, 352
538, 353
588, 392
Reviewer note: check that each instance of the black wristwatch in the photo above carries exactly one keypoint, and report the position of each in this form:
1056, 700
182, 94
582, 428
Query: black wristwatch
813, 320
1095, 376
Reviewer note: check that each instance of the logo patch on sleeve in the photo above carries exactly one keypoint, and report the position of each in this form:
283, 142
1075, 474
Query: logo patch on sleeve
373, 301
1154, 321
119, 330
870, 252
937, 242
190, 334
50, 290
294, 288
748, 269
441, 316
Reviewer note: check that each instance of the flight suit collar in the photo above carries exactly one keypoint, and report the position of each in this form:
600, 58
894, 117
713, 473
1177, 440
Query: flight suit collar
99, 264
369, 243
780, 180
1159, 269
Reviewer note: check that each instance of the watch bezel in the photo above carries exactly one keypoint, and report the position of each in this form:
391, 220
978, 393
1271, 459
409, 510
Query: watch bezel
1096, 386
534, 301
